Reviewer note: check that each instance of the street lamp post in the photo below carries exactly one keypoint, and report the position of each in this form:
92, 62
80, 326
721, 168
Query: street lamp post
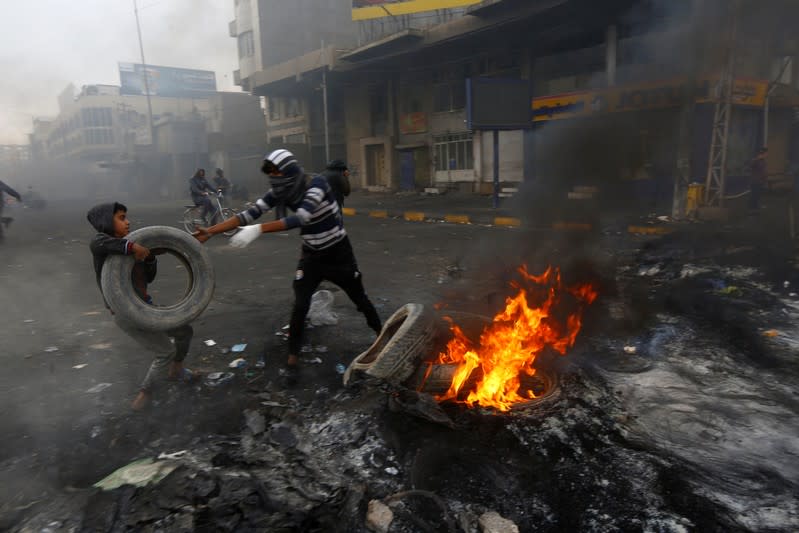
144, 74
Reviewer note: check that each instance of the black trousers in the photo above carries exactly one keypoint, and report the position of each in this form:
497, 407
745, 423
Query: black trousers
336, 264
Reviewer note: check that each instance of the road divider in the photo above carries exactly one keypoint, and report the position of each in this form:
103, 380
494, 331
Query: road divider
421, 216
413, 216
456, 219
650, 230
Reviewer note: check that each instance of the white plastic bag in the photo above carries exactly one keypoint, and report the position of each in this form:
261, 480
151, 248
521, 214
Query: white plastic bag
321, 312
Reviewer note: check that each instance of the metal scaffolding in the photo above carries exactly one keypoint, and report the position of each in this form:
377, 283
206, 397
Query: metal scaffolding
717, 160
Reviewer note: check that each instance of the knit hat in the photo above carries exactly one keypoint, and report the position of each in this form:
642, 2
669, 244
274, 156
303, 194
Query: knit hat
337, 164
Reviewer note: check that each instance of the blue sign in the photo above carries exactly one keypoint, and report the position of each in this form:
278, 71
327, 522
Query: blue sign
166, 81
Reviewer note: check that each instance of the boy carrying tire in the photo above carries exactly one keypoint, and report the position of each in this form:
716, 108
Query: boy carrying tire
112, 225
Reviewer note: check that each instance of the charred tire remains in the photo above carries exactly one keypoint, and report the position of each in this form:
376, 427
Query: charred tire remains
406, 338
122, 298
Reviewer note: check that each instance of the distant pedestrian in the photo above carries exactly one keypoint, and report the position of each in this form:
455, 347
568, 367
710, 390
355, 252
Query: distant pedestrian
221, 182
338, 176
201, 191
5, 189
758, 178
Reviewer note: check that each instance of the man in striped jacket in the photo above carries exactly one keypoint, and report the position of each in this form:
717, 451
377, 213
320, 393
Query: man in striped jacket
326, 250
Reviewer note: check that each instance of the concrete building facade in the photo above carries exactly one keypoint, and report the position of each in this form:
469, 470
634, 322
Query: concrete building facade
106, 135
608, 83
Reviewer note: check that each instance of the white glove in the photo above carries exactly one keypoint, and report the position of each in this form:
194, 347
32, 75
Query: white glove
245, 236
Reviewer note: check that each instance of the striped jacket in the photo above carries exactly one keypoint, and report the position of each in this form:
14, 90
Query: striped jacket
317, 213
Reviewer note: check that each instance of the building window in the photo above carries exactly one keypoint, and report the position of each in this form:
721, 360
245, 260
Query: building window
93, 117
453, 151
293, 109
95, 136
274, 108
450, 96
246, 44
294, 138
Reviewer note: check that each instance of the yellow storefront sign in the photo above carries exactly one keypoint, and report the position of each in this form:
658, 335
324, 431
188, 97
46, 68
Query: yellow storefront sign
373, 9
639, 98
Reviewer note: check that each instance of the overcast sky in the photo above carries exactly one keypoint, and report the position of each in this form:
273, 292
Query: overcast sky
47, 44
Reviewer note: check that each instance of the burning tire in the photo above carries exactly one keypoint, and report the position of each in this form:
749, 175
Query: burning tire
121, 295
406, 338
435, 378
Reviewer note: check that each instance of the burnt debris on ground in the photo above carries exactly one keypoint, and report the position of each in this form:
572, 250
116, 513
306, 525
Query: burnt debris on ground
673, 413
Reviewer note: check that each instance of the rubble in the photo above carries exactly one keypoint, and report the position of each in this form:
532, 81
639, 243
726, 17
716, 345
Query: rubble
492, 522
378, 517
138, 473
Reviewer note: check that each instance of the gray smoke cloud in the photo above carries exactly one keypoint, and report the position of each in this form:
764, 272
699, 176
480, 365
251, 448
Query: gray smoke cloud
47, 45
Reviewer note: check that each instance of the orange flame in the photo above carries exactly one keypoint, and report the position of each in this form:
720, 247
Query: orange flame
510, 345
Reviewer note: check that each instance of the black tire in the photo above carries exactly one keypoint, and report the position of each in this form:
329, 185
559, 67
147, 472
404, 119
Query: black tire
406, 338
123, 300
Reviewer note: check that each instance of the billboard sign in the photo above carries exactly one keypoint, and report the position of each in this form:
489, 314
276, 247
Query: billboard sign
498, 104
650, 96
413, 123
166, 81
373, 9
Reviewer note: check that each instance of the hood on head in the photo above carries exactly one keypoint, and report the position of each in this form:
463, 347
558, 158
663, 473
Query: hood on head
101, 217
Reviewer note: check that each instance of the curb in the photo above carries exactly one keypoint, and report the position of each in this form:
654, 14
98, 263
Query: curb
420, 216
649, 230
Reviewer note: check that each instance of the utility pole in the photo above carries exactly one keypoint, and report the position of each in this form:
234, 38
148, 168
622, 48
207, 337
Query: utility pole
717, 159
324, 103
144, 74
682, 168
771, 87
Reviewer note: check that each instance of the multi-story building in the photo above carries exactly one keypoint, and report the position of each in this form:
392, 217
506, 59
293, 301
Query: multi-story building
608, 80
288, 50
104, 132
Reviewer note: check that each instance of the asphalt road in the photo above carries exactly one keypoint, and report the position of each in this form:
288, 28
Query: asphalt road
54, 320
693, 431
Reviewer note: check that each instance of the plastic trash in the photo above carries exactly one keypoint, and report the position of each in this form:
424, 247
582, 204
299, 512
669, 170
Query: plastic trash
391, 471
238, 363
101, 346
215, 379
321, 311
174, 455
314, 361
138, 473
210, 342
630, 349
100, 387
340, 368
238, 348
260, 363
82, 365
255, 421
